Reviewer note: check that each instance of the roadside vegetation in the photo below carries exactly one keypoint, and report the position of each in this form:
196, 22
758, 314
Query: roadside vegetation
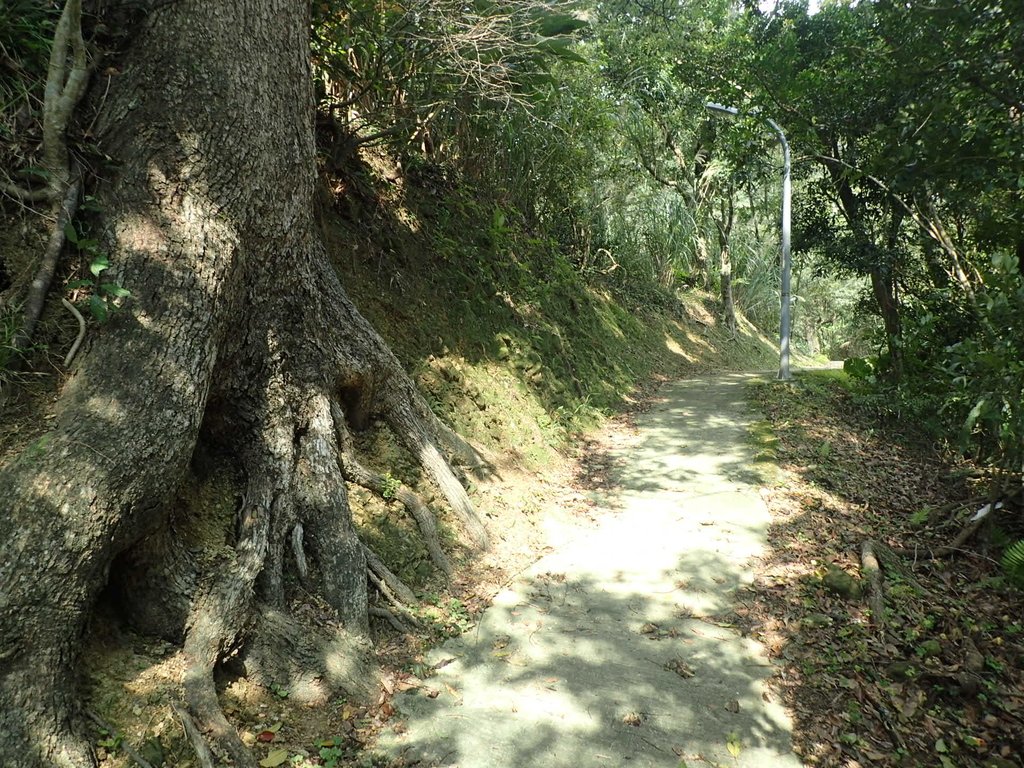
893, 614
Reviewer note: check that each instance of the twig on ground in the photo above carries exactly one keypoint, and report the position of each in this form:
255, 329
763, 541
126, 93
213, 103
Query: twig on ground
972, 527
129, 750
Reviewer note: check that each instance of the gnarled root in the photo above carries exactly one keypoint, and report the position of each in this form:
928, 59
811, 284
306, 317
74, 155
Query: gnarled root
401, 416
355, 472
311, 662
217, 615
195, 738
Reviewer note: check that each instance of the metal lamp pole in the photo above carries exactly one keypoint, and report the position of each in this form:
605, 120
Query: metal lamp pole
787, 269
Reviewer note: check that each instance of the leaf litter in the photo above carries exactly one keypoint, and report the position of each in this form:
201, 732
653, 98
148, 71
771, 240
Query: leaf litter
941, 684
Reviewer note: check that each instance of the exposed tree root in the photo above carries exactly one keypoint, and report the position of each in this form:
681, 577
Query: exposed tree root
44, 275
410, 430
396, 588
321, 499
81, 331
301, 567
218, 614
312, 662
390, 618
195, 738
40, 286
468, 456
388, 595
355, 472
65, 86
872, 572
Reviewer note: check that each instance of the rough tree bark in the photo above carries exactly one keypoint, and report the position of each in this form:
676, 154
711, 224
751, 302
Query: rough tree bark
723, 223
237, 343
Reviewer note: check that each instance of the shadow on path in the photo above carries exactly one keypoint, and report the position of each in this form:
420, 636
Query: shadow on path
611, 650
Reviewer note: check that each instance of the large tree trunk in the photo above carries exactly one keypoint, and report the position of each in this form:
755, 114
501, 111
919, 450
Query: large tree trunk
226, 361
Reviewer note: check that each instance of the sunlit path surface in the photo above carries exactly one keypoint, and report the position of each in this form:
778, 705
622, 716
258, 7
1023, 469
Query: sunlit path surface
613, 650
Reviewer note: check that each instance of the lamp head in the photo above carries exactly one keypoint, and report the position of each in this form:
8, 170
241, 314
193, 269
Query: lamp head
713, 107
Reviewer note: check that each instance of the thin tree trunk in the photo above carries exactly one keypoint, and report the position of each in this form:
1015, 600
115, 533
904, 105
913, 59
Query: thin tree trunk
724, 225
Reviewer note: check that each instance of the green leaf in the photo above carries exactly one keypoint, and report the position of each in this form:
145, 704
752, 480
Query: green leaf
734, 745
99, 264
75, 284
98, 307
70, 234
275, 758
559, 47
114, 290
940, 746
560, 24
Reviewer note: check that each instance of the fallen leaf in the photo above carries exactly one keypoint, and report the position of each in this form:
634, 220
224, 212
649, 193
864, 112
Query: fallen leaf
265, 736
274, 759
734, 745
680, 667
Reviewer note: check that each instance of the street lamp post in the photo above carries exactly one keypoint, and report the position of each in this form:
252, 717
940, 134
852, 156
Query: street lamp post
784, 330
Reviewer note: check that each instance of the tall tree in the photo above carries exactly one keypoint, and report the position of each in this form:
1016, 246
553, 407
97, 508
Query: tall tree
238, 354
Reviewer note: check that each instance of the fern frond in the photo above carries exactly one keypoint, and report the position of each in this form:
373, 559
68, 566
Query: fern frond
1013, 564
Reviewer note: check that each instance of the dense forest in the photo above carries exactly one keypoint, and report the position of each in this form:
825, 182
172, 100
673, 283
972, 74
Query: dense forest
187, 188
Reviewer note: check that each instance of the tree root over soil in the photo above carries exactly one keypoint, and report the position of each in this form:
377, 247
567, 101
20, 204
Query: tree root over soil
67, 77
199, 452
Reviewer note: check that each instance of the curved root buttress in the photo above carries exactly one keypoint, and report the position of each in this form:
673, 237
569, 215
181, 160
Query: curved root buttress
239, 353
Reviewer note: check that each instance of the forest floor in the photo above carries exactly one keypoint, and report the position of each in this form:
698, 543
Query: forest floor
939, 681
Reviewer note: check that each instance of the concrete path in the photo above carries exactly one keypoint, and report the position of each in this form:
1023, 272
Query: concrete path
613, 651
